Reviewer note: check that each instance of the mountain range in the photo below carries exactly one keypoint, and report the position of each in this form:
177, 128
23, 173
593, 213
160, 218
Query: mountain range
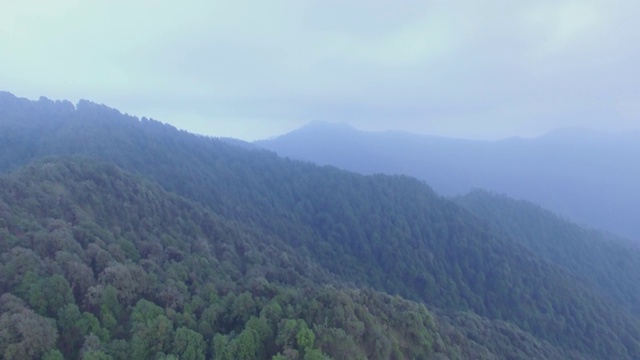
126, 238
592, 178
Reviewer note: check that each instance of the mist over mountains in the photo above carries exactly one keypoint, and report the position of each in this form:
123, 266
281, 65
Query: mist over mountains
126, 238
592, 178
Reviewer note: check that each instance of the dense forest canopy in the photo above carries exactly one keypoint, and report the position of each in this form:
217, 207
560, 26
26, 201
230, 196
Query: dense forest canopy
117, 230
606, 262
590, 177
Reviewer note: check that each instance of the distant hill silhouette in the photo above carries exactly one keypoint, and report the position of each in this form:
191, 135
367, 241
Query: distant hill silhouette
590, 177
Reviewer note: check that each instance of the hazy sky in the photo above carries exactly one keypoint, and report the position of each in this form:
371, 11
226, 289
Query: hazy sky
253, 69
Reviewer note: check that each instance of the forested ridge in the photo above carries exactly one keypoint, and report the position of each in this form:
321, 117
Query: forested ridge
129, 271
606, 262
255, 227
588, 176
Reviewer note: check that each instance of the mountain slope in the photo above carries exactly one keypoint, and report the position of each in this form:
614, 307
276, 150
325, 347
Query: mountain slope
589, 177
123, 270
602, 260
390, 233
118, 248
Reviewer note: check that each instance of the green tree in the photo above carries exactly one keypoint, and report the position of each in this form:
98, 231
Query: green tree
152, 331
110, 309
50, 294
313, 354
145, 310
220, 347
188, 344
247, 345
53, 355
305, 336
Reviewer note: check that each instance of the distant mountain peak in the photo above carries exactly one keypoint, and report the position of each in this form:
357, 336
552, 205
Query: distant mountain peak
316, 127
328, 125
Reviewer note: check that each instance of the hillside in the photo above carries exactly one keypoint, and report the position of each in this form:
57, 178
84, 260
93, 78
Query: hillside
129, 270
586, 176
388, 233
126, 270
606, 262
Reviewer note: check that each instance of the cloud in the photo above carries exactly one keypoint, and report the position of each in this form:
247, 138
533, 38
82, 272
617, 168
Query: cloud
457, 68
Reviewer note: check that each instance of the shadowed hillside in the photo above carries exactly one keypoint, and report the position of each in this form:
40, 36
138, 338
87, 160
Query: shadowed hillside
606, 262
587, 176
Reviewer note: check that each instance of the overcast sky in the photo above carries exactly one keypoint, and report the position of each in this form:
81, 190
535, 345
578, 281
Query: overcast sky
254, 69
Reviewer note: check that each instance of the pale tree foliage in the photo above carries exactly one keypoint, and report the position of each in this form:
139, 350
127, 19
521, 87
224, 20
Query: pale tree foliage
79, 275
23, 333
129, 281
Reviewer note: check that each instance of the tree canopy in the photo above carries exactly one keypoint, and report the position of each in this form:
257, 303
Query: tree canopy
146, 242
